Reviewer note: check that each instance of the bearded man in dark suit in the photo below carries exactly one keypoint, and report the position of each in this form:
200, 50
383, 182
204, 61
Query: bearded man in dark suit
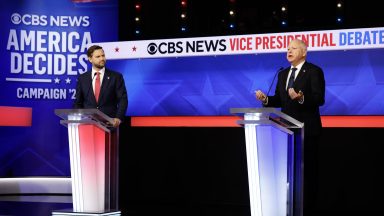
110, 96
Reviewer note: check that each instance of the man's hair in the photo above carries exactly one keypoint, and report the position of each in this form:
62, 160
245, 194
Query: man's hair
92, 49
302, 43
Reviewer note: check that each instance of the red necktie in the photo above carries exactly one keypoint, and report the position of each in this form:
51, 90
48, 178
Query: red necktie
97, 86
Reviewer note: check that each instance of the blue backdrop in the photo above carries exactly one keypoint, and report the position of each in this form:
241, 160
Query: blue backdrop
42, 53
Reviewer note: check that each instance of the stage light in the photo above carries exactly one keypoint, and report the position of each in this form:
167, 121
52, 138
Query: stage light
183, 15
283, 23
339, 20
339, 5
137, 19
231, 13
137, 6
283, 9
137, 32
232, 26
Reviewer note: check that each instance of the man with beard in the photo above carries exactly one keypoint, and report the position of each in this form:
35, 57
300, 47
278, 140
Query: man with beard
108, 93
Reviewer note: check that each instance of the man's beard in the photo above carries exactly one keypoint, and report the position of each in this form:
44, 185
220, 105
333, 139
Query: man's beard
100, 66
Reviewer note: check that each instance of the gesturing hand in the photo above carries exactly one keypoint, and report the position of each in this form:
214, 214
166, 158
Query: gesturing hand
261, 96
295, 96
116, 122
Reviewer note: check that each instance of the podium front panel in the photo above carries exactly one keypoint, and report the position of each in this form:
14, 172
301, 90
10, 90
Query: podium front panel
268, 174
274, 161
93, 150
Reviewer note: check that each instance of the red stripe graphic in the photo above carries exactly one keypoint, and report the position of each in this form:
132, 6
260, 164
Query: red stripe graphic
230, 121
15, 116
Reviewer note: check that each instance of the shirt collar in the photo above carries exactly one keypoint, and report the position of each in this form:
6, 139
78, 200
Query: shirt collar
298, 66
102, 71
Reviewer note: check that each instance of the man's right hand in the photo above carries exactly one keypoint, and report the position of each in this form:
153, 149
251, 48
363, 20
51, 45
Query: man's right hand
261, 96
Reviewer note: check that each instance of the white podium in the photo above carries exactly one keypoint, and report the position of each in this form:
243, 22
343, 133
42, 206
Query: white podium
274, 148
93, 146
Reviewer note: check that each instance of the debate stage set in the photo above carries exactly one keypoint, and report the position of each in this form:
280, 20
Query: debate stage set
194, 141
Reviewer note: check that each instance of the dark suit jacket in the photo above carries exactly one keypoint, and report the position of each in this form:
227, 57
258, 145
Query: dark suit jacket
113, 99
310, 81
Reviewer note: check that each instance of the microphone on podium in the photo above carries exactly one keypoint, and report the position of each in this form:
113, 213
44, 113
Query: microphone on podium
270, 86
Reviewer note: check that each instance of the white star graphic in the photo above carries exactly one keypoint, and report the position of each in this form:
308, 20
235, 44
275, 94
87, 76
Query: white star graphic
57, 80
68, 81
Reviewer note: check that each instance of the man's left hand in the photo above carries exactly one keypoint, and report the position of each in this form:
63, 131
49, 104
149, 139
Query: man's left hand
295, 96
116, 122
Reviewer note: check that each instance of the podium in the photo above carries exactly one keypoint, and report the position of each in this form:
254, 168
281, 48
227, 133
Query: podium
93, 146
274, 149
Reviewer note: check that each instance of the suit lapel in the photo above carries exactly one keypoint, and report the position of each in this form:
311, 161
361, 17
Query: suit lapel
91, 91
104, 84
286, 72
284, 84
285, 78
301, 74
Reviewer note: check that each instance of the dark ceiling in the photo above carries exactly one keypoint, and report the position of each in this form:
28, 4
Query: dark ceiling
161, 18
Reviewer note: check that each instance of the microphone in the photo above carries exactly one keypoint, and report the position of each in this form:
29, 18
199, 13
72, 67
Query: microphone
270, 86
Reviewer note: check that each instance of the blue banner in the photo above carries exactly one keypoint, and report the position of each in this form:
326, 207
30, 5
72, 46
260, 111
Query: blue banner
43, 46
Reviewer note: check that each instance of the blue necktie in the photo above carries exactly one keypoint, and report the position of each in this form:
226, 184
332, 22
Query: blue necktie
291, 78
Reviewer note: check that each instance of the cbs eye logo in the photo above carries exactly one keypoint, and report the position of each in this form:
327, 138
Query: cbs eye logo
152, 48
16, 18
